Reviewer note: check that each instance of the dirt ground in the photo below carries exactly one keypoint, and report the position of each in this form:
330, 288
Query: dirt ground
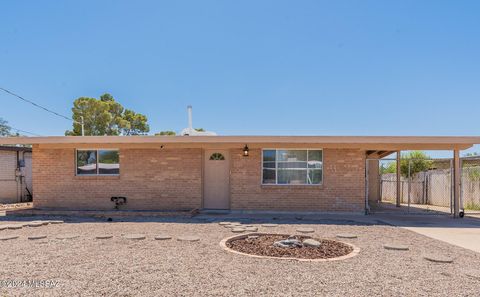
92, 267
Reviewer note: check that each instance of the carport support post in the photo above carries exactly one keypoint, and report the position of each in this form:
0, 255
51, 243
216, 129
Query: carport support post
456, 183
398, 178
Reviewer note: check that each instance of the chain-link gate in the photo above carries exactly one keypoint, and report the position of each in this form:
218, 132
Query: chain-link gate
470, 185
425, 186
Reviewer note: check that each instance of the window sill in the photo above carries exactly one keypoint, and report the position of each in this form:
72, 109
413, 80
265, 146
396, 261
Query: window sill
95, 177
291, 186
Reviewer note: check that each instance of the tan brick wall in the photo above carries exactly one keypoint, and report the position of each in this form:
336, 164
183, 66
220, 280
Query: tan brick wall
343, 186
151, 179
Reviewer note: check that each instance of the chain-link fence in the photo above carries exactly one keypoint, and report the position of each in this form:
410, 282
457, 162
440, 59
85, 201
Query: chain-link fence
470, 190
425, 186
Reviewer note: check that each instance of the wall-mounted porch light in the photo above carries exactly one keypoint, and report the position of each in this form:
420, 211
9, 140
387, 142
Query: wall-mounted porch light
245, 151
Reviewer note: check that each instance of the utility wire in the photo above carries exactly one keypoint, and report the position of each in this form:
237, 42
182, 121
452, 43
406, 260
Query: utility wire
37, 105
23, 131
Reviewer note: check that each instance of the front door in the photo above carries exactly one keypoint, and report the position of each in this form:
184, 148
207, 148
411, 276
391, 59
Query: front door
216, 179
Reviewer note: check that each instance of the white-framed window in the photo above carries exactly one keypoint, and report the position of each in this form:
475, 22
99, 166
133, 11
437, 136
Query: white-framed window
97, 162
292, 166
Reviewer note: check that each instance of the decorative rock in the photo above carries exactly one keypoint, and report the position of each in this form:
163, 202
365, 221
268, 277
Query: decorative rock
305, 230
105, 236
68, 236
311, 243
287, 243
163, 237
8, 237
269, 225
396, 247
252, 237
346, 235
238, 230
438, 259
135, 236
35, 237
188, 238
14, 227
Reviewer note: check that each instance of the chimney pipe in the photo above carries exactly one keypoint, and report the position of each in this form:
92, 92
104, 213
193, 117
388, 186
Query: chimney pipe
190, 125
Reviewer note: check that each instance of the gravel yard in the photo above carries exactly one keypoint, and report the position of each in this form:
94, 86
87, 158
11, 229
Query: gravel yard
119, 266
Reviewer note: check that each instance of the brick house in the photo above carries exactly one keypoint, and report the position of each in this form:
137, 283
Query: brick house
278, 173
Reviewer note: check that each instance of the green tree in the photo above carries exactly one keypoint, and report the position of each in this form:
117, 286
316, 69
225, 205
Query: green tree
199, 129
5, 129
105, 116
418, 160
166, 133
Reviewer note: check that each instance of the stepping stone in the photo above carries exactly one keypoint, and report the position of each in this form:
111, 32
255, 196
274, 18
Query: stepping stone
225, 223
105, 236
305, 230
251, 229
68, 236
346, 235
438, 259
311, 242
8, 237
396, 247
34, 224
475, 273
135, 236
15, 227
3, 227
163, 237
35, 237
188, 238
56, 222
269, 225
238, 230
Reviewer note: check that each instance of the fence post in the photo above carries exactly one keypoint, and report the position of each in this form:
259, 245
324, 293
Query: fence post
398, 178
456, 183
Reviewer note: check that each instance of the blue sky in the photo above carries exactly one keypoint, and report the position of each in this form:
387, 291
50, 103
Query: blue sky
249, 67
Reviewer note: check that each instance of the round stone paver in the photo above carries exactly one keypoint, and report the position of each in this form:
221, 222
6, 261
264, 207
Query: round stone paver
163, 237
35, 237
251, 229
104, 236
68, 236
3, 227
34, 224
438, 259
347, 235
225, 223
305, 230
396, 247
269, 225
3, 238
238, 230
135, 236
188, 238
56, 222
15, 227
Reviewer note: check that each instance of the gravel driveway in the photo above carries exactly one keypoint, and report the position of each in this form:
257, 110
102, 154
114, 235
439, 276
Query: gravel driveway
97, 267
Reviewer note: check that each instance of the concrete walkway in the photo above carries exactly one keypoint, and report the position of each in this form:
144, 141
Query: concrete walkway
460, 232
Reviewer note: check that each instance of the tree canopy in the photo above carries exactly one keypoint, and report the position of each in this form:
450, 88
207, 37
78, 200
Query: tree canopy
166, 133
418, 160
5, 129
105, 116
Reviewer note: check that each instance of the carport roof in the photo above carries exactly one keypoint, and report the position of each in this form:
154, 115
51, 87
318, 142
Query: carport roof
361, 142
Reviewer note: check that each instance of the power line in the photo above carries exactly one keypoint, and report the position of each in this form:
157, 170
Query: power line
37, 105
23, 131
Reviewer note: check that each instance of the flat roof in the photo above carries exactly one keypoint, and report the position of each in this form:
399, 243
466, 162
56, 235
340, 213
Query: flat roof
361, 142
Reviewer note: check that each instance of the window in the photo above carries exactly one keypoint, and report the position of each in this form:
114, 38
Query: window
217, 156
292, 167
98, 162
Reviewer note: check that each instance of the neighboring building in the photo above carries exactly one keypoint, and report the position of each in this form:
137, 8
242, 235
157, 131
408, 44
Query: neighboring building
15, 174
286, 173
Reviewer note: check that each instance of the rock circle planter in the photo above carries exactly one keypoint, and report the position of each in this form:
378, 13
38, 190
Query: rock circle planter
346, 250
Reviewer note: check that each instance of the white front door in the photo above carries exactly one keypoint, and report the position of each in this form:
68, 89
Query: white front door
216, 182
